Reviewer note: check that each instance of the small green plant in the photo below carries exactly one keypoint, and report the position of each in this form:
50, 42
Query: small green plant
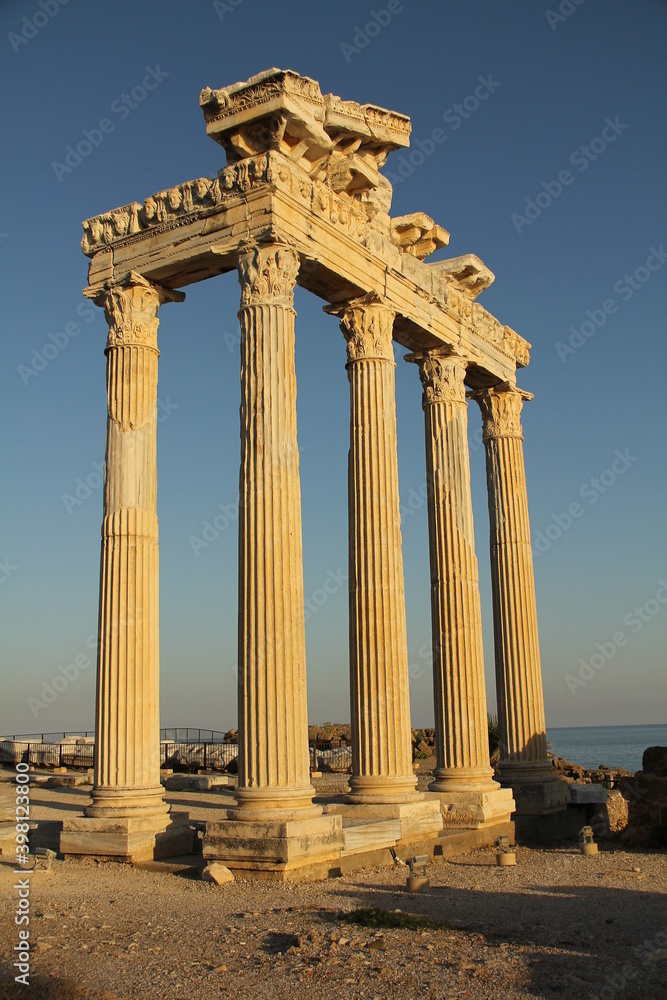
377, 918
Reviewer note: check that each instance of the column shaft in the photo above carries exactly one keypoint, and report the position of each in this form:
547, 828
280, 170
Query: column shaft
379, 682
458, 660
521, 720
127, 760
274, 769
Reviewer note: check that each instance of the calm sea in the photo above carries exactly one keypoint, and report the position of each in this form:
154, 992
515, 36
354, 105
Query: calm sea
615, 746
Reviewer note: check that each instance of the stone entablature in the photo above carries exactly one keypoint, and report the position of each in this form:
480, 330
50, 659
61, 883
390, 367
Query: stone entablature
289, 147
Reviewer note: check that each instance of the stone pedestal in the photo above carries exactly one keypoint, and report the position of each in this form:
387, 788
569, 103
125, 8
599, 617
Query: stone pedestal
463, 777
127, 839
472, 809
274, 826
418, 820
128, 811
280, 849
380, 705
524, 764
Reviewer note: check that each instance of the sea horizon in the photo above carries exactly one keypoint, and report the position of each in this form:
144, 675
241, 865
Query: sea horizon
613, 746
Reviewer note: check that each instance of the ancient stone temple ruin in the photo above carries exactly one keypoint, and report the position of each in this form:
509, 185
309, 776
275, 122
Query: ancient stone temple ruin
302, 200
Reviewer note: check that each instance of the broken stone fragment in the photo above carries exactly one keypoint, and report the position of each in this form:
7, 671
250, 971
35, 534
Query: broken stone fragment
217, 873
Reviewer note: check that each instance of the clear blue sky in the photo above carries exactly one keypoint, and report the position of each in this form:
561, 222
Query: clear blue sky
554, 82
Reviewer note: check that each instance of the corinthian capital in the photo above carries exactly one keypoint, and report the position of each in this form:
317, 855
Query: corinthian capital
501, 410
367, 324
130, 307
442, 377
268, 274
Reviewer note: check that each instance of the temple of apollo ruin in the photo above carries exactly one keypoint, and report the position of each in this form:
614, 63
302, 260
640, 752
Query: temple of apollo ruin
302, 200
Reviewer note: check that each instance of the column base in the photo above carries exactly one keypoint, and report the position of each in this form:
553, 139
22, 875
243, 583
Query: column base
417, 821
274, 805
122, 803
463, 779
127, 839
383, 790
280, 849
472, 809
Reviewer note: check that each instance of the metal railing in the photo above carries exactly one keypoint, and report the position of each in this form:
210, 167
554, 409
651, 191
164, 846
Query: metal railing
176, 735
182, 749
49, 737
325, 757
44, 754
206, 755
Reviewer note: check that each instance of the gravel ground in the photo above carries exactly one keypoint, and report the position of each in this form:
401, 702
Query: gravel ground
558, 925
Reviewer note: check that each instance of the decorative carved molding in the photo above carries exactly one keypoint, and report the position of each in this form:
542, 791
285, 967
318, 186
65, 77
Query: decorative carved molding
475, 317
267, 274
367, 325
271, 85
517, 347
187, 202
501, 410
459, 302
179, 204
442, 378
333, 177
340, 142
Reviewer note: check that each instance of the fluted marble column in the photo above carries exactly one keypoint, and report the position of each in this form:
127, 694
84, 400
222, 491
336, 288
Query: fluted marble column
274, 775
461, 729
379, 682
127, 759
521, 721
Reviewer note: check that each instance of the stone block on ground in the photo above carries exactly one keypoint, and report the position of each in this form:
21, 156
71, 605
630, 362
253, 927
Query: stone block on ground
217, 873
585, 794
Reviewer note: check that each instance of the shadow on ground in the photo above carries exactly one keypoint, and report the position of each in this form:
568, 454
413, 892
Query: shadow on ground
597, 950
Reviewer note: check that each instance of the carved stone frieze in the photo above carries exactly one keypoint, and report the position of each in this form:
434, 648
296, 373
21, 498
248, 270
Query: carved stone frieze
517, 347
185, 202
459, 302
474, 317
262, 89
325, 153
267, 273
178, 204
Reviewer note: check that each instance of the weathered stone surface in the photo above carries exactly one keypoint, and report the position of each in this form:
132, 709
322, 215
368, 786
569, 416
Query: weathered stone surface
524, 764
273, 721
302, 198
381, 735
217, 873
292, 153
458, 669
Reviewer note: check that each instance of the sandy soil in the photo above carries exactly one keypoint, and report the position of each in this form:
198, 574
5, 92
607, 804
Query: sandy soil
557, 926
